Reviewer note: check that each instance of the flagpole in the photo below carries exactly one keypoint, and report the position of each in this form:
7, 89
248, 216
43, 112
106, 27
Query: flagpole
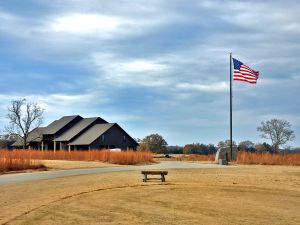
230, 106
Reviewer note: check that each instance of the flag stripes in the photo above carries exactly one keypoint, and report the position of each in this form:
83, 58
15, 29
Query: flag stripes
244, 73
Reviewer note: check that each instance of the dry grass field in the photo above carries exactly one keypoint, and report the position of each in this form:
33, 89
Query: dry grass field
65, 164
233, 195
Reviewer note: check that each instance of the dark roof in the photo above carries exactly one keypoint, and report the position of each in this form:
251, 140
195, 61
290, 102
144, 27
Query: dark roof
76, 129
18, 142
56, 125
92, 134
34, 136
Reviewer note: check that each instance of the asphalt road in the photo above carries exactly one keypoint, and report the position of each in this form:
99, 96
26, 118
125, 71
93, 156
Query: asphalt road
22, 177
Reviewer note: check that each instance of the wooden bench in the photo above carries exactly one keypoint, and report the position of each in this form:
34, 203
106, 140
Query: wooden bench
154, 172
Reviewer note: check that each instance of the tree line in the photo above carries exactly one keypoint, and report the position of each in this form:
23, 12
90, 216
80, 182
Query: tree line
207, 149
25, 116
276, 130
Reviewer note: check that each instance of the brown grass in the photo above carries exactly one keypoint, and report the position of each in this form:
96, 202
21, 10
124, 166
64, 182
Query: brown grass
17, 160
67, 164
268, 159
242, 194
195, 157
248, 158
25, 159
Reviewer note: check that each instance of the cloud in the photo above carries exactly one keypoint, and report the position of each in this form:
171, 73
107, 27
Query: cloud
210, 87
132, 72
238, 13
85, 23
137, 66
57, 105
105, 25
161, 65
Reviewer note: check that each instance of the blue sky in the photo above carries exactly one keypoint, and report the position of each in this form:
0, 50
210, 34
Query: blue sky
154, 66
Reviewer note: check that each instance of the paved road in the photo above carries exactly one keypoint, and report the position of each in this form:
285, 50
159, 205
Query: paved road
21, 177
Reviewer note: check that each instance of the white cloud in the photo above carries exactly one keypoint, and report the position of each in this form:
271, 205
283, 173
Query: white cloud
134, 72
56, 105
104, 25
85, 23
141, 66
209, 87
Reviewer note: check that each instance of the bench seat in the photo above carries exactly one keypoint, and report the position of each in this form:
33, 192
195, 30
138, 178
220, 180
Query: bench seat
154, 172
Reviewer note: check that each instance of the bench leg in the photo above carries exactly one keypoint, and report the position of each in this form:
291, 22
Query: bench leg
163, 178
145, 178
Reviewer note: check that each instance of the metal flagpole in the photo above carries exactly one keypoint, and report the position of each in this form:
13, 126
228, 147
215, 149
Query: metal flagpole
230, 106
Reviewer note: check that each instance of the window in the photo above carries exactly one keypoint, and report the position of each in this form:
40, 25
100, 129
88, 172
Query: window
102, 137
124, 138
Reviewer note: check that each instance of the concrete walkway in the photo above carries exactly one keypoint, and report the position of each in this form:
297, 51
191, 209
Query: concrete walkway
22, 177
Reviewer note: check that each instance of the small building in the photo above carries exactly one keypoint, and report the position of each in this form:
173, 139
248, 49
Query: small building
77, 133
62, 141
104, 136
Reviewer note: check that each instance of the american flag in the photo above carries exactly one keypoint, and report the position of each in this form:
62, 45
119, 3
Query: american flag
243, 72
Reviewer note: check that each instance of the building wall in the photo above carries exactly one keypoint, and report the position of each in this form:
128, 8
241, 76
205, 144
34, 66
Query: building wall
115, 137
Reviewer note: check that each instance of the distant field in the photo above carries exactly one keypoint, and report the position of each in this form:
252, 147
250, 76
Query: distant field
67, 164
233, 195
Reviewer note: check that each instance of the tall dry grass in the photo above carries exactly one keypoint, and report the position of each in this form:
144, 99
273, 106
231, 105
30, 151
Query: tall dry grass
195, 157
25, 159
251, 158
268, 159
17, 160
122, 158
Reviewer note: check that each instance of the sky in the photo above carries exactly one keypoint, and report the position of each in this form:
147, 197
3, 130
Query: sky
154, 66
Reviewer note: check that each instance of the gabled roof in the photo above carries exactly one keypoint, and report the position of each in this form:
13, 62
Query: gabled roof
92, 134
56, 125
76, 129
34, 136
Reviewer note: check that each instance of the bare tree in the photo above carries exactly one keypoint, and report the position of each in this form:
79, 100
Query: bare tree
279, 131
23, 118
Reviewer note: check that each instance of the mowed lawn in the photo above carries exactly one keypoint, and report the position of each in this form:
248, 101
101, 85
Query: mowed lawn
233, 195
